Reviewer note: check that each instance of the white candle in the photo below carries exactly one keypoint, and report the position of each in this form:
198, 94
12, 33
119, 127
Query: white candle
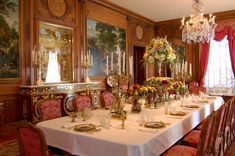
179, 67
119, 63
124, 62
186, 66
182, 66
91, 60
190, 69
176, 68
111, 61
107, 65
131, 73
81, 59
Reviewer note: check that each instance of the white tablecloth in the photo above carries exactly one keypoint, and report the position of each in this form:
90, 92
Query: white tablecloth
134, 140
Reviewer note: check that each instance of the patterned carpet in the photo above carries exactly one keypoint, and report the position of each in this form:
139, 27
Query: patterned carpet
9, 148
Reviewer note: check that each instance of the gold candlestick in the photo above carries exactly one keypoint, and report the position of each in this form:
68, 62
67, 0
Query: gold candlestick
86, 64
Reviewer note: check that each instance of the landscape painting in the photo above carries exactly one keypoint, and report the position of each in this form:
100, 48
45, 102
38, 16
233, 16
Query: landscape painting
9, 39
105, 42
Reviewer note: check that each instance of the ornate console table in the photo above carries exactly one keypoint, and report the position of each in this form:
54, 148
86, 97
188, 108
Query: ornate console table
32, 94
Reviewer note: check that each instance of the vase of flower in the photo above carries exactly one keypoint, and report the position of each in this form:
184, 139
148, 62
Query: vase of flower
136, 106
159, 67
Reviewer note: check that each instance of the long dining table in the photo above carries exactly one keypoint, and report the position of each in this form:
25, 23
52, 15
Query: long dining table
134, 139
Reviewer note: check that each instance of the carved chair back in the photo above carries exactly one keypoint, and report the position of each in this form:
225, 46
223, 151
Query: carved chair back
107, 99
204, 146
31, 140
82, 102
49, 109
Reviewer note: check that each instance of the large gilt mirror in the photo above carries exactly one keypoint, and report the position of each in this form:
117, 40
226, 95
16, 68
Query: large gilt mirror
55, 53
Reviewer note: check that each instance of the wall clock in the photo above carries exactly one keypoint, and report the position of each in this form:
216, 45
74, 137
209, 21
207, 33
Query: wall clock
139, 32
57, 8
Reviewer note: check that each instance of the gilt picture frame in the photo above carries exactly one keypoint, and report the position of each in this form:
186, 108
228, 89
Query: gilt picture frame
105, 41
9, 40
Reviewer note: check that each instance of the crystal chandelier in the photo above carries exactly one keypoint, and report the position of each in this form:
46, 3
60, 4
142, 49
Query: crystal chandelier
198, 28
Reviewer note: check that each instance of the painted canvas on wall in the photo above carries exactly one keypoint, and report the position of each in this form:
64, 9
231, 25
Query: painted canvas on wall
107, 45
9, 39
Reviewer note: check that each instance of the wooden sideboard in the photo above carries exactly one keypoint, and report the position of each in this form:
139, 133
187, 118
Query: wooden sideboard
30, 95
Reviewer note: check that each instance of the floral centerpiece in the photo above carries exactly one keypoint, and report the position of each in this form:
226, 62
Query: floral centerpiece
157, 51
163, 85
139, 93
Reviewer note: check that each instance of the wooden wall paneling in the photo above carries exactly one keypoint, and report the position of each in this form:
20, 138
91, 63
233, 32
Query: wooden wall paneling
11, 107
42, 11
148, 34
119, 9
9, 88
105, 15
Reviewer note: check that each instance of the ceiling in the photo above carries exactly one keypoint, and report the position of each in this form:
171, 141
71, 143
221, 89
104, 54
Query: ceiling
160, 10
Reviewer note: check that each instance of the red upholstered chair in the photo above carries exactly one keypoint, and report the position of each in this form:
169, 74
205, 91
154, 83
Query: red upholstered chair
229, 125
204, 146
107, 99
82, 102
192, 84
31, 140
49, 109
219, 129
192, 139
197, 90
194, 88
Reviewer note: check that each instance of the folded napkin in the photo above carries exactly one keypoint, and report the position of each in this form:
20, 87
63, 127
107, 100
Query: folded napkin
70, 125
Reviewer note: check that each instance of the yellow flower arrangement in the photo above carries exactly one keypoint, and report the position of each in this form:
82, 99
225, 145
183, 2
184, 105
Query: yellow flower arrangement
159, 49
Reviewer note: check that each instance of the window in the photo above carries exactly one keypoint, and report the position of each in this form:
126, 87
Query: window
219, 71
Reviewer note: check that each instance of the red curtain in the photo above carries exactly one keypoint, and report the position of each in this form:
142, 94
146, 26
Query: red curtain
205, 53
231, 39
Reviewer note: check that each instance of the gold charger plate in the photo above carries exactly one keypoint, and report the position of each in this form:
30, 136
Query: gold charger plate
178, 113
155, 124
191, 106
84, 127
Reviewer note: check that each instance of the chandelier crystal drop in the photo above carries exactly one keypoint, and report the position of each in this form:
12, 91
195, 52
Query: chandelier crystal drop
198, 28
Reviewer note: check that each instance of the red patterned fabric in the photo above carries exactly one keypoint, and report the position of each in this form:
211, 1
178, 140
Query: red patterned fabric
192, 139
82, 102
197, 90
50, 109
181, 150
192, 85
108, 99
31, 142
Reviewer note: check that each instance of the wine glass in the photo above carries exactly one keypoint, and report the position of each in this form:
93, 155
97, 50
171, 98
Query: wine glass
73, 116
